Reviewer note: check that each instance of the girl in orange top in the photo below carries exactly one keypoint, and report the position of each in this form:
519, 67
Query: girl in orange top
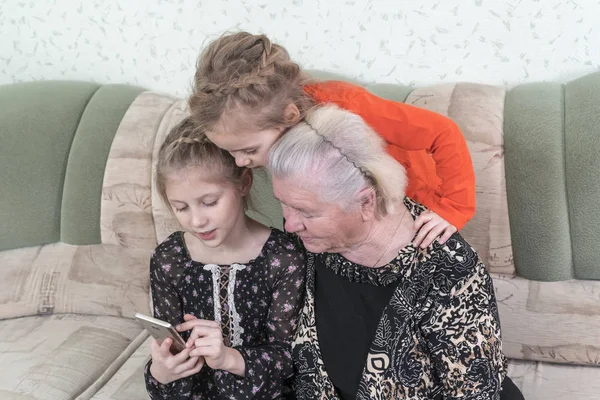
248, 92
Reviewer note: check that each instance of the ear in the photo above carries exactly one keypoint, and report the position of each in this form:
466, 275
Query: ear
247, 179
291, 114
368, 203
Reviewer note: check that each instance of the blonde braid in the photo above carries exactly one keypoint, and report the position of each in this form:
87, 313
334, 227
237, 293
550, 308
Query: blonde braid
258, 76
249, 81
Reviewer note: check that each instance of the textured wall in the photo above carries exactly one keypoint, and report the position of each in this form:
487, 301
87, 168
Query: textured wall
154, 43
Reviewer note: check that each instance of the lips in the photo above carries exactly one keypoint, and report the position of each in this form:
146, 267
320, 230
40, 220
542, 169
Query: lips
207, 235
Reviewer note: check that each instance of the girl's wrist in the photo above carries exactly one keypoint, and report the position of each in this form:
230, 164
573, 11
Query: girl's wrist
157, 375
234, 362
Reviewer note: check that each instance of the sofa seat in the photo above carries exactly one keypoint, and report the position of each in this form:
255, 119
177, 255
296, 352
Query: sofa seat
557, 322
549, 381
62, 356
128, 382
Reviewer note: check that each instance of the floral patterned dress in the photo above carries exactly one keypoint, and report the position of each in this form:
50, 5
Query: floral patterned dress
256, 303
438, 336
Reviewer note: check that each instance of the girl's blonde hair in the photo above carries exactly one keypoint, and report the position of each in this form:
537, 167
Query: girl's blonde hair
186, 147
342, 156
244, 81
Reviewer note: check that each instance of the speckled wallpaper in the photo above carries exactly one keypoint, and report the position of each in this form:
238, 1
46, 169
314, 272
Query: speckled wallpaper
154, 43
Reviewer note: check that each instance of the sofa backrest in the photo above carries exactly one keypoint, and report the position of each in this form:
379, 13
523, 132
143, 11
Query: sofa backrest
55, 138
552, 147
80, 212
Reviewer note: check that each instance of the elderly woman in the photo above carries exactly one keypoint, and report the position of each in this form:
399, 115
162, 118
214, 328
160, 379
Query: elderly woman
382, 319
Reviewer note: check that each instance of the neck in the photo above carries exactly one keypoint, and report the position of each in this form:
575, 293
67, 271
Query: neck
383, 240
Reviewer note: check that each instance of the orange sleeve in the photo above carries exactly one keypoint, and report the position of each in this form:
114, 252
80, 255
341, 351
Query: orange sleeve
415, 136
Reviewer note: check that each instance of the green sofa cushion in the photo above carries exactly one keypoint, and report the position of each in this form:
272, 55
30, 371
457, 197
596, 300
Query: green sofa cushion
55, 138
80, 212
552, 158
39, 121
582, 151
535, 181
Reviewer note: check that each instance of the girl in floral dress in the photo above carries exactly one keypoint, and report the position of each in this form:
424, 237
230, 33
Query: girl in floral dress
231, 286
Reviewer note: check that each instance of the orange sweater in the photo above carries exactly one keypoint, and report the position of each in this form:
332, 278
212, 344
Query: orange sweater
430, 146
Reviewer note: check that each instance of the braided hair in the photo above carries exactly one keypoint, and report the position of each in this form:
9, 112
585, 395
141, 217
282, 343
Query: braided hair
248, 81
186, 146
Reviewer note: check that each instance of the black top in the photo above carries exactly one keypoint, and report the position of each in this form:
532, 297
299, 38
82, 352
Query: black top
347, 314
256, 303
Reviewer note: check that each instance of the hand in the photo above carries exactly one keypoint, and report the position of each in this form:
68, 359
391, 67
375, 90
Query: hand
206, 340
431, 226
166, 367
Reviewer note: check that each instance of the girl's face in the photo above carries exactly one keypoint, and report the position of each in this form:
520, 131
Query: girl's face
209, 209
250, 149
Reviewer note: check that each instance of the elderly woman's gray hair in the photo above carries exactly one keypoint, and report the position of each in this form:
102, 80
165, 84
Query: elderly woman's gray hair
342, 155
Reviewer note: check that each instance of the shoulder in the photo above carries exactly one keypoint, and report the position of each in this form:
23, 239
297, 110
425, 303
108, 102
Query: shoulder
283, 255
455, 264
171, 247
281, 243
333, 91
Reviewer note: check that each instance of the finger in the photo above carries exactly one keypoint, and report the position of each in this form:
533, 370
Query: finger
156, 350
204, 351
186, 326
201, 331
186, 365
207, 347
448, 232
164, 349
189, 317
182, 356
431, 236
422, 219
423, 232
209, 342
194, 370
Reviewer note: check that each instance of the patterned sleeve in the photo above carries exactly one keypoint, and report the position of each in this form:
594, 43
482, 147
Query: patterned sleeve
167, 307
269, 367
464, 339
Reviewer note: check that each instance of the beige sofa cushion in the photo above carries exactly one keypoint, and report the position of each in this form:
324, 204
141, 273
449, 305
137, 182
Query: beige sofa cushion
545, 381
63, 278
478, 111
550, 321
59, 356
164, 220
128, 383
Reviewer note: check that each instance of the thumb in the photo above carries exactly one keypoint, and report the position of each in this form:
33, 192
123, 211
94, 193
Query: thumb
165, 347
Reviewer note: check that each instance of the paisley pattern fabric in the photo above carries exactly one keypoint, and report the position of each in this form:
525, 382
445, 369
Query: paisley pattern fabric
438, 336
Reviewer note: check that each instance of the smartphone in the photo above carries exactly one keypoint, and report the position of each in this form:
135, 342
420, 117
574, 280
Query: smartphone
161, 330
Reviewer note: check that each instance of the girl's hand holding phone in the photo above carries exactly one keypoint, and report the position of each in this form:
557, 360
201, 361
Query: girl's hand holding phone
206, 341
167, 367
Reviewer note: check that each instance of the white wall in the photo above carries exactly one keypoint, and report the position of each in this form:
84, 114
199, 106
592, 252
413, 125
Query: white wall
154, 43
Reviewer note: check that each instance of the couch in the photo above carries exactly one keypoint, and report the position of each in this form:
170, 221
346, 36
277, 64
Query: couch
80, 216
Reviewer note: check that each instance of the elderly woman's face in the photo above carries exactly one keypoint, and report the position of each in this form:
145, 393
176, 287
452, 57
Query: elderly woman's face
323, 227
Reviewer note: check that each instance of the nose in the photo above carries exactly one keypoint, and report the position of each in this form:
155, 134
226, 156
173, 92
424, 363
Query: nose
198, 220
293, 223
242, 161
